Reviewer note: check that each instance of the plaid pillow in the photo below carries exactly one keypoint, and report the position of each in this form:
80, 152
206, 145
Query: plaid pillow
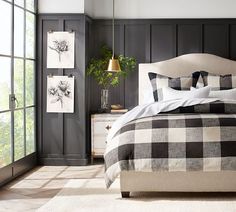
159, 81
219, 82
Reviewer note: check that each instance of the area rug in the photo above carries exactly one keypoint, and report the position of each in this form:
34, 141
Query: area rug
88, 195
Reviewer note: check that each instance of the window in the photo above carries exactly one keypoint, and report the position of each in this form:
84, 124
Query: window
17, 61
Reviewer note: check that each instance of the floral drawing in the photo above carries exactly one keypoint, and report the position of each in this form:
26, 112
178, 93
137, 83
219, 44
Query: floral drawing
61, 50
60, 92
60, 47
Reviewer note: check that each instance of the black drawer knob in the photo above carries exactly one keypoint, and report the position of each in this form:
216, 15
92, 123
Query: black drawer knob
108, 127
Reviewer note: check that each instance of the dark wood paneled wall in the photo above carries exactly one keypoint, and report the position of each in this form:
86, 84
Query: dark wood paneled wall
160, 39
62, 137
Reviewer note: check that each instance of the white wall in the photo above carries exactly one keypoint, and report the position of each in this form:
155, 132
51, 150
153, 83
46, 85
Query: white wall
166, 8
61, 6
89, 7
143, 8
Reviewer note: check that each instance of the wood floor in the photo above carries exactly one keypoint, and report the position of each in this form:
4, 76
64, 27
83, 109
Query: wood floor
37, 187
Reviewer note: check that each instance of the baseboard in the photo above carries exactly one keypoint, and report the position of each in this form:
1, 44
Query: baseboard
63, 162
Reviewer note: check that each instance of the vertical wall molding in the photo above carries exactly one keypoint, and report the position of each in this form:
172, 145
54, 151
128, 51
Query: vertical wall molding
202, 38
176, 40
148, 43
61, 115
228, 40
122, 51
62, 137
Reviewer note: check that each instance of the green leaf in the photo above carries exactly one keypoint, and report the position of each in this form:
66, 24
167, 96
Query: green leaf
97, 68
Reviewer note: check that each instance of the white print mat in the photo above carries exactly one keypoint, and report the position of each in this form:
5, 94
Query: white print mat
61, 50
60, 94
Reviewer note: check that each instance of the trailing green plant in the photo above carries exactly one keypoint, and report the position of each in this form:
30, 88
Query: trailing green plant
97, 68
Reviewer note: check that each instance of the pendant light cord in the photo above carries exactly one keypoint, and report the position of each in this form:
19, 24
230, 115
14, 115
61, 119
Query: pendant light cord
113, 30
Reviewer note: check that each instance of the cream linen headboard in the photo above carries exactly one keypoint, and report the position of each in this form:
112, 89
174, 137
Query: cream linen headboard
183, 66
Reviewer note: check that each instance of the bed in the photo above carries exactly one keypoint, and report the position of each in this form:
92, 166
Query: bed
137, 176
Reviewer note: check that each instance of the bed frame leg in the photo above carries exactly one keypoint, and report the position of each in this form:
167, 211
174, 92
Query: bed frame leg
125, 194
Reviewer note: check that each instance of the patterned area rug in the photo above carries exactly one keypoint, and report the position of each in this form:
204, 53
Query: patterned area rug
90, 195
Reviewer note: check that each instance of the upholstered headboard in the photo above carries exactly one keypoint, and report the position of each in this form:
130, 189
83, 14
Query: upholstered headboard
183, 66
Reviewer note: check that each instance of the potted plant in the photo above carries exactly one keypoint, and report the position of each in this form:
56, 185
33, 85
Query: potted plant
97, 69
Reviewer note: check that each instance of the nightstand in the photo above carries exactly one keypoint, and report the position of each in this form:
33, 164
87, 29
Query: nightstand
100, 126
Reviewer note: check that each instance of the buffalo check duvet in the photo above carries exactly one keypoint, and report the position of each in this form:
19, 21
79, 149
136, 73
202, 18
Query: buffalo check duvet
200, 137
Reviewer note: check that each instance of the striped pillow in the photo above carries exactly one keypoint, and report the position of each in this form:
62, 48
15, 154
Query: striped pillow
219, 82
159, 81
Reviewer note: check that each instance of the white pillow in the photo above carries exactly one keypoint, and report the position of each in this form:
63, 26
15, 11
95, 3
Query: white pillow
222, 94
199, 85
170, 93
148, 96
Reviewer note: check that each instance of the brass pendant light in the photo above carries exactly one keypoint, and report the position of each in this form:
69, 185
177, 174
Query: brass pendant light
114, 65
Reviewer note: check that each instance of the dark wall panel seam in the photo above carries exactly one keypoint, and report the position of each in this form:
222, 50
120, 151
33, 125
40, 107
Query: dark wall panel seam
148, 44
228, 41
61, 115
176, 39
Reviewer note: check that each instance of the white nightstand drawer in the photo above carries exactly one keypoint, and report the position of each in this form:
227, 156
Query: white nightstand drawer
100, 126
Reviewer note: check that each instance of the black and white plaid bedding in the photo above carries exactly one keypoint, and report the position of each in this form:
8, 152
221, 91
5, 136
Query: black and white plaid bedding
197, 141
159, 81
213, 107
219, 82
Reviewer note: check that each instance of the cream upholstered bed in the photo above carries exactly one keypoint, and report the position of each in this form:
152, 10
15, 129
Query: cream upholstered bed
183, 66
198, 181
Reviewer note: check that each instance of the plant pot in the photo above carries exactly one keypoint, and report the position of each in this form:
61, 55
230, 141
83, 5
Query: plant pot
104, 100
